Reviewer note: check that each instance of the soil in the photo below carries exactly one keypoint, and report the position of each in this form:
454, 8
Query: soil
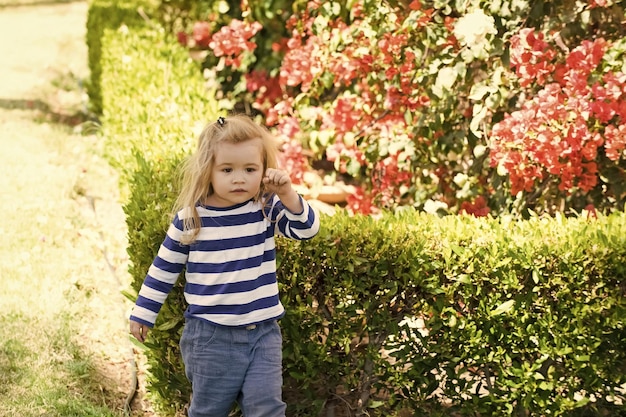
44, 68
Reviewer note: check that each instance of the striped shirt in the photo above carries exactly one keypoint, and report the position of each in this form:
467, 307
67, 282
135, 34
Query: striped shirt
230, 270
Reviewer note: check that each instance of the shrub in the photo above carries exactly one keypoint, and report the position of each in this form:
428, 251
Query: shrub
155, 102
456, 315
467, 106
102, 15
406, 313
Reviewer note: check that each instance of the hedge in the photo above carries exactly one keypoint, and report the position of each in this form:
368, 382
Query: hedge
406, 314
457, 316
103, 15
154, 105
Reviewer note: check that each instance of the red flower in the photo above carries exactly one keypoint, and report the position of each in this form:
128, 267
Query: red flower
614, 141
531, 57
360, 202
415, 5
201, 34
232, 40
591, 211
477, 208
265, 89
293, 160
182, 38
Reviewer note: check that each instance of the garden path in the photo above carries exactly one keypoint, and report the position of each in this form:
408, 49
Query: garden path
72, 247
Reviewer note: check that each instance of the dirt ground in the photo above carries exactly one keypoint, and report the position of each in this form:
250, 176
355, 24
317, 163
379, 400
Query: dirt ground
43, 66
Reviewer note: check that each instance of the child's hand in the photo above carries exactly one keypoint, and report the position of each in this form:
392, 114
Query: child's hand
140, 331
277, 181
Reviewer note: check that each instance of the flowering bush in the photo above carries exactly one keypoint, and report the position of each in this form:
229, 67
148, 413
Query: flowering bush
399, 99
571, 131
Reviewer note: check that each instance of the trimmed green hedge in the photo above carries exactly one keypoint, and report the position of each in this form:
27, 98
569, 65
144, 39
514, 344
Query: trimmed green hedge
457, 315
408, 314
103, 15
155, 100
155, 103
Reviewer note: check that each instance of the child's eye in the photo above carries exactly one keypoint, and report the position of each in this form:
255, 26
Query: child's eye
227, 170
250, 169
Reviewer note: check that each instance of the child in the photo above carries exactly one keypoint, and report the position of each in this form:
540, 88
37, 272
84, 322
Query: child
232, 203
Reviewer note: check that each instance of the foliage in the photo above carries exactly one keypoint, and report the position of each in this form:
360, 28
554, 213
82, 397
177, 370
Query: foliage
146, 216
410, 101
455, 316
154, 106
102, 15
155, 103
403, 313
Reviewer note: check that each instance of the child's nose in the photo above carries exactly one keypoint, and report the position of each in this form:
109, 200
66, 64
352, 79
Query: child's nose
238, 177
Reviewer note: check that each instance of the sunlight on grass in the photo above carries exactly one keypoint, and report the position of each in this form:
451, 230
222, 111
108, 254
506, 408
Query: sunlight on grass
63, 322
44, 372
38, 215
61, 311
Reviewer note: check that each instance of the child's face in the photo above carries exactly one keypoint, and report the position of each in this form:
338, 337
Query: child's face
237, 173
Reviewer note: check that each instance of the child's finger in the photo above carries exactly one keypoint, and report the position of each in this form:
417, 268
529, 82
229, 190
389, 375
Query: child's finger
275, 178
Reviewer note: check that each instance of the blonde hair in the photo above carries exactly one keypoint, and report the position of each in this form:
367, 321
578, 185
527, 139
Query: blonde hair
197, 169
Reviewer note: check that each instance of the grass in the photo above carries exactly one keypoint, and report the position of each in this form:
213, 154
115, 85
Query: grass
61, 313
64, 347
45, 373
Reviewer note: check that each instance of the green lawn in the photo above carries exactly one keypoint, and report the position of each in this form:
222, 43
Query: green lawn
62, 318
64, 347
44, 372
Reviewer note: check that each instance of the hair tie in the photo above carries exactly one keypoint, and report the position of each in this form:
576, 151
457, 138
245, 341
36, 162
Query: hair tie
221, 121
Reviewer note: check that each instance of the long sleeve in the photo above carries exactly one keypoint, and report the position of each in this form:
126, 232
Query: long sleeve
230, 270
299, 226
161, 276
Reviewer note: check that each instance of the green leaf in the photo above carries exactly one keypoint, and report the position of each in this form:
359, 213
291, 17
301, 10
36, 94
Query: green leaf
408, 117
463, 279
376, 404
503, 308
170, 324
480, 112
479, 91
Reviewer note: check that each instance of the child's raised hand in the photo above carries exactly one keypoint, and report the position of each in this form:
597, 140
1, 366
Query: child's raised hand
277, 181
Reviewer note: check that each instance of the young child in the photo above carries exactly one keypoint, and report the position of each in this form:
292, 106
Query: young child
233, 202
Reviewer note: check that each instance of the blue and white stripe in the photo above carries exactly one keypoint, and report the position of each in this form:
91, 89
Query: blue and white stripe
231, 267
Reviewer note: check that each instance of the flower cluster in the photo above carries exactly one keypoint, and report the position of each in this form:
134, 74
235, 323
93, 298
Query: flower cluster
369, 105
531, 57
233, 40
266, 89
477, 208
389, 180
201, 35
361, 202
560, 130
293, 159
301, 64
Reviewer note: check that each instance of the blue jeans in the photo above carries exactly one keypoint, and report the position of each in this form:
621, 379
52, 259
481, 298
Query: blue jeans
233, 364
